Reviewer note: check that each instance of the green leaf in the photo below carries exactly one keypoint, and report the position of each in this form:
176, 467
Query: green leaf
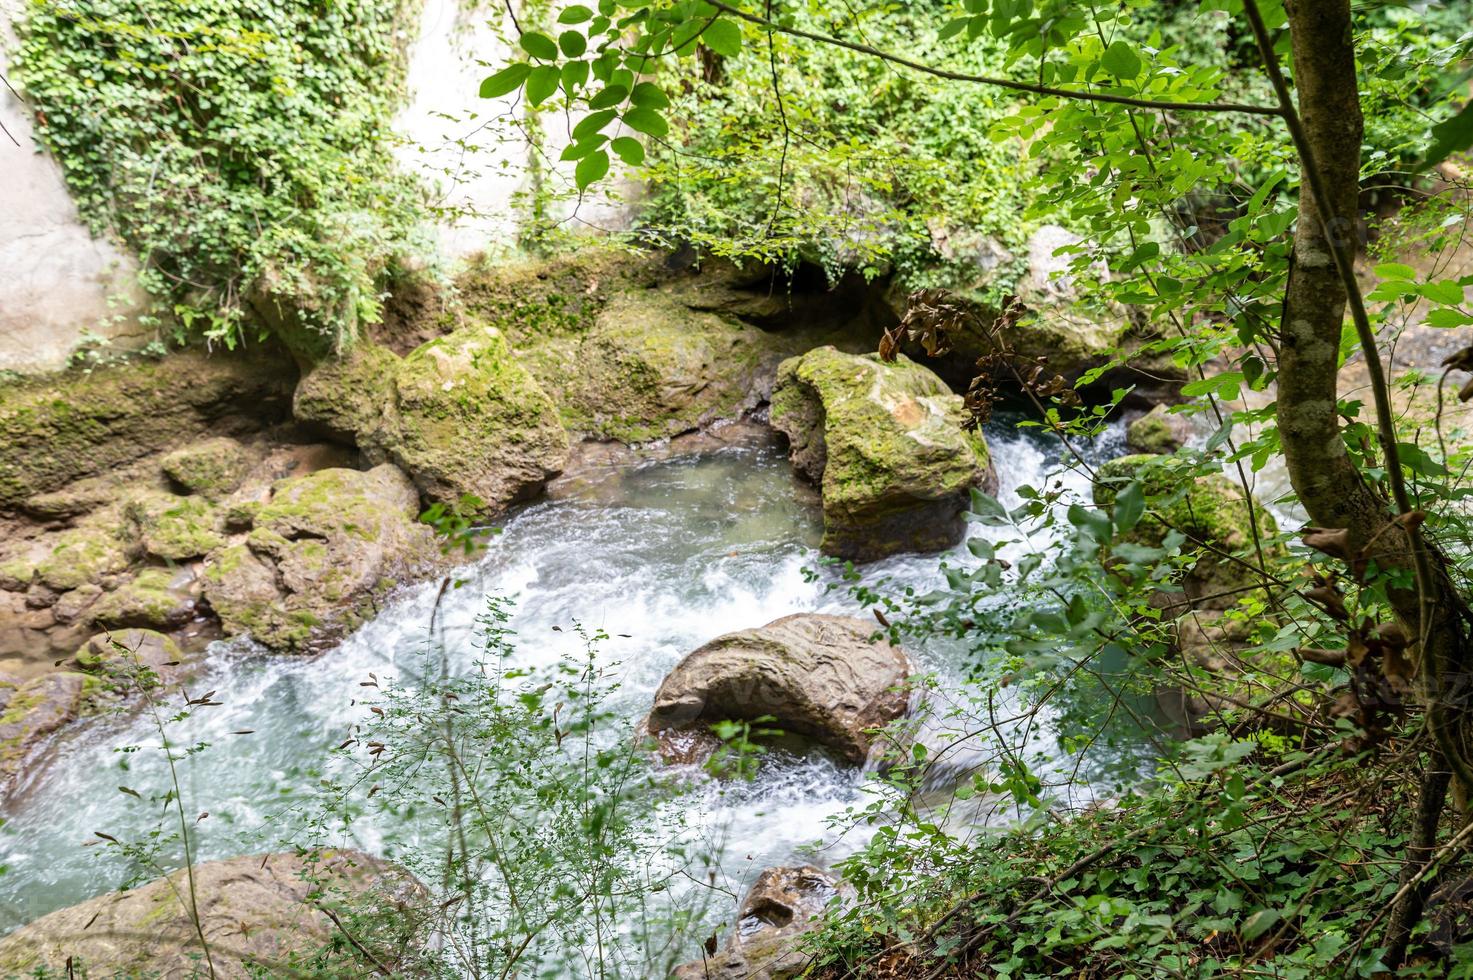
647, 95
575, 74
1130, 505
630, 150
592, 123
1121, 60
954, 27
646, 121
538, 46
590, 169
1450, 136
1445, 318
723, 37
1260, 922
611, 96
581, 149
576, 14
508, 79
542, 83
1396, 272
572, 43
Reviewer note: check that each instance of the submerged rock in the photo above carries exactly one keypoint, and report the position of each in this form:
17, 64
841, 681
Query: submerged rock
818, 676
1211, 512
318, 555
781, 908
60, 428
1158, 431
256, 913
885, 444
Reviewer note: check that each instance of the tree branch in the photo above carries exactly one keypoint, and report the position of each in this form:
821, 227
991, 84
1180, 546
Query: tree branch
1005, 83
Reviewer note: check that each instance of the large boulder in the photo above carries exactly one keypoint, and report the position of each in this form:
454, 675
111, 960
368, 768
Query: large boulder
885, 444
317, 556
63, 427
459, 413
781, 908
1209, 510
255, 912
211, 467
154, 598
818, 676
651, 367
1159, 431
471, 420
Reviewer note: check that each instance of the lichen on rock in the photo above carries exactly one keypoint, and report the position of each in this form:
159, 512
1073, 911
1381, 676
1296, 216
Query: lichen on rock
886, 445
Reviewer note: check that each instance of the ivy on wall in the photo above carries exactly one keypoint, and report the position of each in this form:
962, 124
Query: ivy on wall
240, 147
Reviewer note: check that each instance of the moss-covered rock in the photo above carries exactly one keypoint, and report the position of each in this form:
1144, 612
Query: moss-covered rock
32, 710
350, 398
258, 913
1210, 510
321, 551
1158, 432
651, 368
211, 467
170, 527
60, 428
885, 444
471, 420
80, 556
155, 598
129, 648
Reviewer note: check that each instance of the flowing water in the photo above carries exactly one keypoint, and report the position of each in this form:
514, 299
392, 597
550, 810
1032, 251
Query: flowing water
662, 555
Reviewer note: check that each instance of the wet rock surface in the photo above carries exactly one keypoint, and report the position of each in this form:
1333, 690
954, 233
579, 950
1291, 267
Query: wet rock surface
255, 912
779, 910
818, 676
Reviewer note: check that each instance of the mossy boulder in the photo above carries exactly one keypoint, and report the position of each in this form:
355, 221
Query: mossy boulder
885, 444
1212, 513
60, 428
81, 556
459, 413
470, 420
318, 555
651, 368
170, 527
257, 914
32, 710
212, 467
155, 598
1158, 432
350, 398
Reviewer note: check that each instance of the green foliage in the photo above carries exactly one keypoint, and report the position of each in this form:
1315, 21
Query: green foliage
240, 148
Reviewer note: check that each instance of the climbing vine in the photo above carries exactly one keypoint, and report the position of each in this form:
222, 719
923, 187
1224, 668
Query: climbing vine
242, 149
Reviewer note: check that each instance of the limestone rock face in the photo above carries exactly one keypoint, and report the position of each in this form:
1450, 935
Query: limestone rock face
781, 907
1158, 431
317, 555
459, 414
60, 428
255, 912
819, 676
1212, 513
886, 446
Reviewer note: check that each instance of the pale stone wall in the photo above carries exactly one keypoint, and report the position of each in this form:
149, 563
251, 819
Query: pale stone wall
60, 283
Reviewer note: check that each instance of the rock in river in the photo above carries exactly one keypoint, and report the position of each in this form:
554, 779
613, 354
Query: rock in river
779, 910
255, 913
819, 676
885, 444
